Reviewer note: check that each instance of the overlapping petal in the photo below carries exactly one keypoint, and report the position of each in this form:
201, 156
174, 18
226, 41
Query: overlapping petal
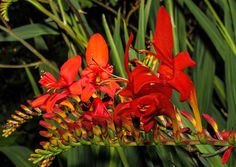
163, 38
97, 51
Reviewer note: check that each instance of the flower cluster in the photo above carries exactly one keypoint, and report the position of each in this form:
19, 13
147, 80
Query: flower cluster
85, 106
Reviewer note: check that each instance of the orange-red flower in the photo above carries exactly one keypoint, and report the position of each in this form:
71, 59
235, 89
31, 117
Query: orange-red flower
97, 115
69, 70
148, 97
68, 73
97, 74
170, 68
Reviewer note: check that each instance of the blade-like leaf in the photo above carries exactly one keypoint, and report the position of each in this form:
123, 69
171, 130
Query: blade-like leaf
18, 155
28, 31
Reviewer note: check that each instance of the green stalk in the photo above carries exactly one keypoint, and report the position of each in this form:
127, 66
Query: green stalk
62, 11
121, 153
35, 64
174, 31
30, 47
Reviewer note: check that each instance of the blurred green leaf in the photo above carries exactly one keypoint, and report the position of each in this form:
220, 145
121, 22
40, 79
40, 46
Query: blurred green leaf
18, 155
209, 27
32, 81
119, 68
28, 31
73, 157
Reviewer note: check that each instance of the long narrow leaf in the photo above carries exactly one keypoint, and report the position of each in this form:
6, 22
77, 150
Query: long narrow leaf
18, 155
28, 31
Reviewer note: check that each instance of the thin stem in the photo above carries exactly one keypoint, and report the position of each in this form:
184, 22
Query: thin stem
62, 11
134, 9
35, 64
105, 6
176, 47
30, 47
123, 158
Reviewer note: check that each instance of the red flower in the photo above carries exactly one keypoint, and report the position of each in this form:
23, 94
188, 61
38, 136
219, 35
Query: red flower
148, 97
142, 81
170, 68
146, 108
149, 106
97, 115
68, 72
97, 75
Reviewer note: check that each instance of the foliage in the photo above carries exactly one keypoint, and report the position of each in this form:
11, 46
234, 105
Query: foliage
58, 30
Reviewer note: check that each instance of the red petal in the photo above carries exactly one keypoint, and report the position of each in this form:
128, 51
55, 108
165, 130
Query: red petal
149, 125
54, 98
97, 51
41, 100
183, 84
49, 81
122, 113
211, 121
226, 155
110, 88
87, 92
126, 59
183, 60
141, 76
70, 69
163, 40
100, 109
76, 88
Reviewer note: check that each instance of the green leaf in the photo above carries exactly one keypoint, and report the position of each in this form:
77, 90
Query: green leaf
140, 37
117, 37
18, 155
28, 31
119, 68
32, 81
203, 76
73, 157
209, 27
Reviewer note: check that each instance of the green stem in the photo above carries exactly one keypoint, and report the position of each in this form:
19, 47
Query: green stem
62, 11
121, 153
35, 64
175, 38
112, 162
105, 6
30, 47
